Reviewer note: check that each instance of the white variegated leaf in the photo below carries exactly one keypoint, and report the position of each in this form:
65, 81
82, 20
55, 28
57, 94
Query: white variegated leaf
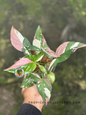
19, 35
74, 45
44, 90
47, 92
52, 62
47, 53
40, 58
36, 75
37, 43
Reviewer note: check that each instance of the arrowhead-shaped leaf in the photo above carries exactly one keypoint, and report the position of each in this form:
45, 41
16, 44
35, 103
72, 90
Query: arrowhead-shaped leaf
60, 59
64, 51
68, 46
41, 43
74, 46
14, 39
17, 40
30, 80
44, 89
19, 63
42, 68
38, 38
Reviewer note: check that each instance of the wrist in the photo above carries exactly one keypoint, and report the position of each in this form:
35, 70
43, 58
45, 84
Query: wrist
38, 104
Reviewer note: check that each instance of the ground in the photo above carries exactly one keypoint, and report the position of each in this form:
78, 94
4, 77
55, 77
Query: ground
7, 100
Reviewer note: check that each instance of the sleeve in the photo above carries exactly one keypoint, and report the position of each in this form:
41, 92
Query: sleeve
28, 109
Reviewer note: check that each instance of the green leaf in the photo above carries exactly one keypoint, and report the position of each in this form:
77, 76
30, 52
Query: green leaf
51, 77
44, 89
34, 48
39, 56
41, 74
11, 70
26, 42
45, 46
25, 51
73, 45
46, 66
60, 59
36, 76
42, 68
28, 47
29, 81
35, 58
47, 53
38, 38
38, 34
28, 68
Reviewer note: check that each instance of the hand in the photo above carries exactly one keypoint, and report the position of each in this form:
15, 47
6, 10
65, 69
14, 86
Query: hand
32, 96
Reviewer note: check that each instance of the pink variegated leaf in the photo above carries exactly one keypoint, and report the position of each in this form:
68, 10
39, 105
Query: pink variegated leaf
44, 90
64, 51
47, 100
50, 54
60, 50
68, 46
40, 42
14, 39
18, 41
80, 47
46, 47
74, 46
19, 63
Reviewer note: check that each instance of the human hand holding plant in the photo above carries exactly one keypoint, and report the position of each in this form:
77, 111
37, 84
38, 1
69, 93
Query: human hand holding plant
32, 96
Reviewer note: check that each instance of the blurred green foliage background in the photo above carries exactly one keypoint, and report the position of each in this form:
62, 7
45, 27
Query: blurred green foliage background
60, 21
